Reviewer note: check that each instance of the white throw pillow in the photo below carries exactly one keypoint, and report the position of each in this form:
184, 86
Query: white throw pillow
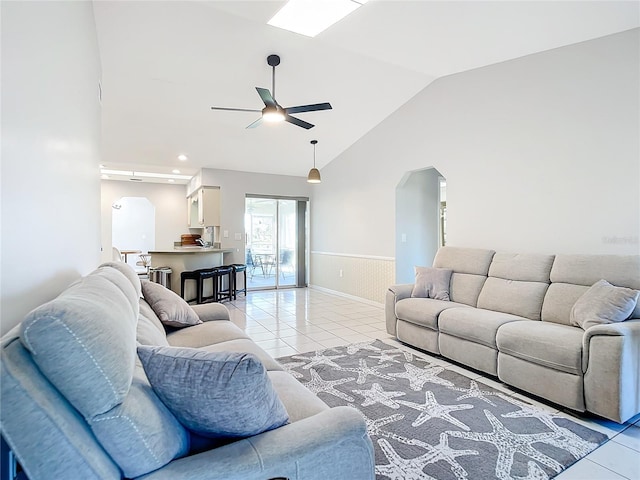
432, 283
603, 303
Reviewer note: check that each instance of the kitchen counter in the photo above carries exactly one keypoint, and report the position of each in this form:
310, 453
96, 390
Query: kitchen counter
182, 259
182, 250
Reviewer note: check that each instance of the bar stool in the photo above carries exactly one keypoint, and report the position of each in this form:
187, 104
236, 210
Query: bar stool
237, 268
199, 276
219, 292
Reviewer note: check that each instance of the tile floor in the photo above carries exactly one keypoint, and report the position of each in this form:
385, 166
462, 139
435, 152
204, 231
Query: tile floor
286, 322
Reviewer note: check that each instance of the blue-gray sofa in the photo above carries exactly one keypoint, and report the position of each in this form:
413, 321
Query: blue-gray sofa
76, 403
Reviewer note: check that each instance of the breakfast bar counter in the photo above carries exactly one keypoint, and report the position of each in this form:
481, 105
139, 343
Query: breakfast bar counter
181, 259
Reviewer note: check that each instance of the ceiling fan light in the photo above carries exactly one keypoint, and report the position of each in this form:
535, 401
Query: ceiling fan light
314, 176
272, 114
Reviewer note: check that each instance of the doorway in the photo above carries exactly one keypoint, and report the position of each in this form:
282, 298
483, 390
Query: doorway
421, 220
133, 227
275, 242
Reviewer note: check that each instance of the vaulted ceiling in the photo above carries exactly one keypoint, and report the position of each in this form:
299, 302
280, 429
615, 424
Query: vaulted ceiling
165, 63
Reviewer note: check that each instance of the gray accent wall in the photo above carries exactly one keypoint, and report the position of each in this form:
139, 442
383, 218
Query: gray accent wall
541, 154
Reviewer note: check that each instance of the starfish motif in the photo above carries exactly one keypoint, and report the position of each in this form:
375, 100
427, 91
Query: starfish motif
289, 368
317, 385
566, 439
377, 395
419, 376
474, 392
319, 359
413, 468
400, 468
509, 443
534, 472
356, 347
408, 356
432, 409
374, 426
385, 357
443, 452
364, 371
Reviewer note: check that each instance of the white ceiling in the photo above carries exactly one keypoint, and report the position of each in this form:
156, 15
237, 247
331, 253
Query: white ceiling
165, 63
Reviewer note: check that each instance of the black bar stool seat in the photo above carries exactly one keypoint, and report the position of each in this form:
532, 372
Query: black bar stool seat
199, 276
219, 292
239, 268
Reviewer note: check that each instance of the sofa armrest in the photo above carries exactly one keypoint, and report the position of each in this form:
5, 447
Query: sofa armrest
611, 363
394, 294
211, 311
331, 444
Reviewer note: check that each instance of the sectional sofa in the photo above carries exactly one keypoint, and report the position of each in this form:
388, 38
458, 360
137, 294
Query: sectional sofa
545, 324
80, 399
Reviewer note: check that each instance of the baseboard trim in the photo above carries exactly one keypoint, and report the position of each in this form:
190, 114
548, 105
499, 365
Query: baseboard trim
346, 295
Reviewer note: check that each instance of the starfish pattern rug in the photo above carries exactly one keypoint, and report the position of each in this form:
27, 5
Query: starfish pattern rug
427, 422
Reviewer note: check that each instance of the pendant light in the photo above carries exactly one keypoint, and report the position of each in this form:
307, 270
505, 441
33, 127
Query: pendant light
314, 173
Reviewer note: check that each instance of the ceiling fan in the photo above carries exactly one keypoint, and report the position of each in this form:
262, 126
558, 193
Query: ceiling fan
272, 111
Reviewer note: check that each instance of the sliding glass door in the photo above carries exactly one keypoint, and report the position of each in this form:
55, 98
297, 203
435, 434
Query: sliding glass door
275, 232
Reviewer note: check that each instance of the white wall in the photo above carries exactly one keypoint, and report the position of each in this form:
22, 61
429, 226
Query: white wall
170, 202
541, 154
50, 151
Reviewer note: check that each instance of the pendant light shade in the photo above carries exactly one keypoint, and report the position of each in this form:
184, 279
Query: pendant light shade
314, 173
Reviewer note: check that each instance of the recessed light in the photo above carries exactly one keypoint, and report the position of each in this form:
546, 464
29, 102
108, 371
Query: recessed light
182, 157
171, 180
175, 171
310, 17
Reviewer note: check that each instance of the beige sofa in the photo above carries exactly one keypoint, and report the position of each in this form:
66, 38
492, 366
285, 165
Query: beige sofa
509, 316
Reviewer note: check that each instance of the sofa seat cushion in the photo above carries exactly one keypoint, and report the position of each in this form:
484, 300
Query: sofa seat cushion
204, 334
423, 311
299, 401
474, 324
245, 345
551, 345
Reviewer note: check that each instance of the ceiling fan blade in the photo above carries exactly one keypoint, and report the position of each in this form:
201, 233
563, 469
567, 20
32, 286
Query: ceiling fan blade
298, 122
309, 108
236, 109
266, 97
256, 123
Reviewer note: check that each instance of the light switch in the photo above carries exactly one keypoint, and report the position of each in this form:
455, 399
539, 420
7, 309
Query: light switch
238, 236
403, 238
225, 234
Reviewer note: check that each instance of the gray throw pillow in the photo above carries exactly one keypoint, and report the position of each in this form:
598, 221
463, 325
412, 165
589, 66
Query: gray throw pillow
170, 308
432, 283
214, 394
603, 303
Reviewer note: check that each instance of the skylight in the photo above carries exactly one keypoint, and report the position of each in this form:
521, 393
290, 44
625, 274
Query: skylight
310, 17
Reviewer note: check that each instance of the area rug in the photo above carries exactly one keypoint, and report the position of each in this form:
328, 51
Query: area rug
427, 422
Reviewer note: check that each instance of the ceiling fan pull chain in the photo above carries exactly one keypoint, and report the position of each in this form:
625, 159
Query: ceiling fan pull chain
273, 82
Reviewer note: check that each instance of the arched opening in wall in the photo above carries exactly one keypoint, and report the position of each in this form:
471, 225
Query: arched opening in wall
133, 228
420, 220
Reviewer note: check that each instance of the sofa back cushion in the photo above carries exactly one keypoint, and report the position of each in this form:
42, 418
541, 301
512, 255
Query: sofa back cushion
84, 342
150, 330
517, 284
572, 275
470, 267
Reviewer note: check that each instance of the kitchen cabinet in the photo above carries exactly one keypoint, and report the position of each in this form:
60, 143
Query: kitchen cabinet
203, 208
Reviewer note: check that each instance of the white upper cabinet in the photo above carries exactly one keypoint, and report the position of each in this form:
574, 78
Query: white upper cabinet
203, 208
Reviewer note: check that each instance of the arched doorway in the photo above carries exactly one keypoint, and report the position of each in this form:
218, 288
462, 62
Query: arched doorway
133, 226
420, 220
